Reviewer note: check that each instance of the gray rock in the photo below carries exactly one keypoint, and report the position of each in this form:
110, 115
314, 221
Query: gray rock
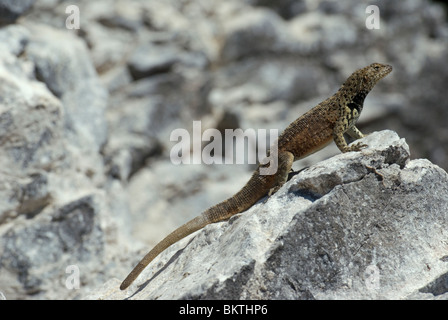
62, 62
252, 32
142, 116
312, 33
11, 10
361, 225
52, 213
13, 38
23, 195
30, 117
285, 8
265, 81
150, 59
35, 254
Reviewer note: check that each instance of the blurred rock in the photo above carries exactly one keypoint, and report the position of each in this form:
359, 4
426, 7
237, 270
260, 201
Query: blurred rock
150, 59
35, 255
285, 8
265, 81
13, 38
313, 33
252, 32
52, 126
11, 10
62, 62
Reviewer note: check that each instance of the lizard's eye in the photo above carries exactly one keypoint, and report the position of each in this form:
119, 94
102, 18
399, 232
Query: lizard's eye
376, 68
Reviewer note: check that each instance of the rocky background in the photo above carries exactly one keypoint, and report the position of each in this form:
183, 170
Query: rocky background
86, 183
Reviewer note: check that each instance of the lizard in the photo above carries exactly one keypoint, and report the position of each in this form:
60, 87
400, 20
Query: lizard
326, 122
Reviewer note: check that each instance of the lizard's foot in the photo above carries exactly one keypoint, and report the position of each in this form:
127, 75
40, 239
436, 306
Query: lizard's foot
271, 192
356, 147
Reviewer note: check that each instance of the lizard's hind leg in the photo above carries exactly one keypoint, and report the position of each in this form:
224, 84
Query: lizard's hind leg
285, 160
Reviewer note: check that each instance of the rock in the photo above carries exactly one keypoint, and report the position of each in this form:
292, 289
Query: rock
30, 116
143, 114
31, 132
360, 225
13, 38
127, 16
62, 62
251, 32
265, 81
313, 34
35, 255
11, 10
150, 59
285, 8
53, 214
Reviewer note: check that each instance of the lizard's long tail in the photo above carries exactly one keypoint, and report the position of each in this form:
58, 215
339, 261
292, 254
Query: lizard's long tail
178, 234
240, 202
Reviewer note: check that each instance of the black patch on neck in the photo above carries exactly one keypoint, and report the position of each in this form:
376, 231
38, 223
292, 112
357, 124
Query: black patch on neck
357, 101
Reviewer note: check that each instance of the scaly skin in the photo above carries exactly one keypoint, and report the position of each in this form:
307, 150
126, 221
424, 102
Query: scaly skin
327, 121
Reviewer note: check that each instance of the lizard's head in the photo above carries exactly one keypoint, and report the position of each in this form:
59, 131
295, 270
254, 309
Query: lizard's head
365, 79
370, 75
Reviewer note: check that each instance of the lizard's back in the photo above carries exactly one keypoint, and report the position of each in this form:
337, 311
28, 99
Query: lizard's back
312, 131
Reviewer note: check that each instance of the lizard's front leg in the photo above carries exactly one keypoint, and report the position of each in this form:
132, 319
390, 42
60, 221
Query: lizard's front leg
338, 137
355, 133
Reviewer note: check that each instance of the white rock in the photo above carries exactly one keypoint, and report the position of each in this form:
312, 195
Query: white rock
373, 233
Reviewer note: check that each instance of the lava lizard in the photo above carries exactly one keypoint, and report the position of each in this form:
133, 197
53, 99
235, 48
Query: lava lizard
314, 130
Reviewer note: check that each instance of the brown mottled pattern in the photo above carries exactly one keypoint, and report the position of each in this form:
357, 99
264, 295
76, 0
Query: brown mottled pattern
327, 121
